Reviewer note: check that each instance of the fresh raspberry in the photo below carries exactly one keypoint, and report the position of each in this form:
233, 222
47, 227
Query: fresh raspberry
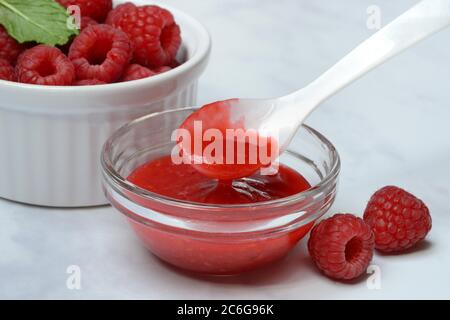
95, 9
342, 246
135, 72
153, 32
100, 52
86, 22
115, 14
398, 219
6, 70
162, 69
45, 65
88, 82
9, 47
174, 63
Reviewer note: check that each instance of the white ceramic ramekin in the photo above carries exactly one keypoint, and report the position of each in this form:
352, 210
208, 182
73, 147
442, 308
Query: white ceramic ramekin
51, 137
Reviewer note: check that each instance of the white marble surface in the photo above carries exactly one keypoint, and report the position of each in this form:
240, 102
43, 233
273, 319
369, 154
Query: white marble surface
391, 127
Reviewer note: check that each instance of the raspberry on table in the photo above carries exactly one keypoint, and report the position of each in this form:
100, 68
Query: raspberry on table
153, 32
9, 47
88, 82
45, 65
135, 72
100, 52
6, 71
95, 9
398, 219
115, 14
341, 246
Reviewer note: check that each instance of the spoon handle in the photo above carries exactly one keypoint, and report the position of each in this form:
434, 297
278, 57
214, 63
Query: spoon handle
422, 20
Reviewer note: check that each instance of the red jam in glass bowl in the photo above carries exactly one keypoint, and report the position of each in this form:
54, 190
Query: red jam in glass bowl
186, 183
211, 227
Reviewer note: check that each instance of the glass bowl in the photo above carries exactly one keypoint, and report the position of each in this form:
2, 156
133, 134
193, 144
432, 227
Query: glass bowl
215, 239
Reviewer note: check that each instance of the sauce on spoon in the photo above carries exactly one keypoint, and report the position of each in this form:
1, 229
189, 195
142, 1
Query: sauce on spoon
220, 146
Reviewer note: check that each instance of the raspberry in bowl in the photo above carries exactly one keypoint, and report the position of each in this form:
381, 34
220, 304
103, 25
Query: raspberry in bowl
206, 226
53, 126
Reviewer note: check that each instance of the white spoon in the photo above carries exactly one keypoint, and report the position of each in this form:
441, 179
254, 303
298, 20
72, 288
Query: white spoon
281, 117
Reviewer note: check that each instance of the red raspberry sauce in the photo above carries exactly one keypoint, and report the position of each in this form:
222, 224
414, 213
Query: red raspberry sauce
211, 253
218, 116
183, 182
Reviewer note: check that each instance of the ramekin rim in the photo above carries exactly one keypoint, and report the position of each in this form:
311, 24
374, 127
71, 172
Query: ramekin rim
109, 173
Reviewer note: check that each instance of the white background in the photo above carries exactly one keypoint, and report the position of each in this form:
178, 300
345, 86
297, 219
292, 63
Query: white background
391, 127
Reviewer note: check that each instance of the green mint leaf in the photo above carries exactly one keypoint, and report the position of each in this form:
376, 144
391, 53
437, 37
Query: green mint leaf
43, 21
